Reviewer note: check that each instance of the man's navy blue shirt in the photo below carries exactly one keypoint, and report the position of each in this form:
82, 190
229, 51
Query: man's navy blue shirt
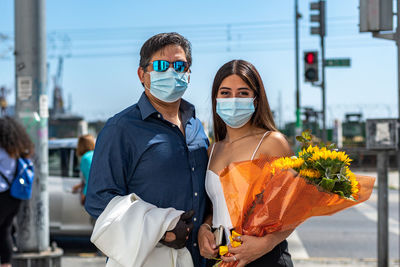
139, 152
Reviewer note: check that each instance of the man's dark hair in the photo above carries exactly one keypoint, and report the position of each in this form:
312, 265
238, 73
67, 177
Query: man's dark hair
161, 40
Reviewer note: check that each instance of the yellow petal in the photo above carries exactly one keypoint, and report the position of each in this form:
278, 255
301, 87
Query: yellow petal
236, 244
235, 234
223, 250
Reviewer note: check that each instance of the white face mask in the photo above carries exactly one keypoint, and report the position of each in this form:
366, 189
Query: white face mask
235, 112
168, 86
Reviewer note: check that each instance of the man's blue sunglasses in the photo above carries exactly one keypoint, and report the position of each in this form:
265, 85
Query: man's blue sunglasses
163, 65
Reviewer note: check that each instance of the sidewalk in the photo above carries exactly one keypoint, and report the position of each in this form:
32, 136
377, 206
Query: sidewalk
88, 261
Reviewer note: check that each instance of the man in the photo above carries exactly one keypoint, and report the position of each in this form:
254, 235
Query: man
156, 148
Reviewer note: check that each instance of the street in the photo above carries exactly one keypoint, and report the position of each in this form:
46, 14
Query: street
351, 233
347, 235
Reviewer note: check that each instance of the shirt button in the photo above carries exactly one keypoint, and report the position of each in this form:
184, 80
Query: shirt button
192, 169
173, 125
195, 194
158, 115
194, 219
194, 244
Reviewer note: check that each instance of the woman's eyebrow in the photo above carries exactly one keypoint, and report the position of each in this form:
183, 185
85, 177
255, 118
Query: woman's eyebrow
226, 88
244, 88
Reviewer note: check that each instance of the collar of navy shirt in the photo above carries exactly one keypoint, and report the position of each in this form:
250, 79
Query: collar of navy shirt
147, 109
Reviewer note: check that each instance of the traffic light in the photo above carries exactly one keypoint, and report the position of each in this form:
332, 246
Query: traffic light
311, 66
318, 17
376, 15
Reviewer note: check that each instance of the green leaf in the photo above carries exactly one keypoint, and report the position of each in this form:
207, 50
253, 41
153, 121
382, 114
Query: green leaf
301, 139
327, 184
307, 134
343, 186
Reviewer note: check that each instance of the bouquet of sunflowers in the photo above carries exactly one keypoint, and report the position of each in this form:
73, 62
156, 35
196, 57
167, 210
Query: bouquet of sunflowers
270, 194
323, 166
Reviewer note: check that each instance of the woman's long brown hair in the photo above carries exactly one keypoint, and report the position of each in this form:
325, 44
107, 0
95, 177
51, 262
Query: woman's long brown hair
262, 117
14, 139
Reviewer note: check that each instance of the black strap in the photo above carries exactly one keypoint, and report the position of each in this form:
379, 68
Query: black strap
15, 174
5, 178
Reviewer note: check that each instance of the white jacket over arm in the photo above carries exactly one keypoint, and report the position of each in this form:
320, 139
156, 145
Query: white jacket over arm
128, 232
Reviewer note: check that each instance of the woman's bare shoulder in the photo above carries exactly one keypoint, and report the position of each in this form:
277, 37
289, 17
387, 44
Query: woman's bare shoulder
276, 145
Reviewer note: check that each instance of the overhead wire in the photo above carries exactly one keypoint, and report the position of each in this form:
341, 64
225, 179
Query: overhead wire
206, 38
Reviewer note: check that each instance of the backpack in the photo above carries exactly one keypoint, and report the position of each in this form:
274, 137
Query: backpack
21, 185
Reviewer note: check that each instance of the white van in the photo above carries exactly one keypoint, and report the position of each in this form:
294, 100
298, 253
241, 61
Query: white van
67, 215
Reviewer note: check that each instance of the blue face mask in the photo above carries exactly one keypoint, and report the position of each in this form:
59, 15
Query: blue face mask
168, 86
235, 112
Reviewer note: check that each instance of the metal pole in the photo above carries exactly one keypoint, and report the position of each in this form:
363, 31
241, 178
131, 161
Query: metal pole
32, 112
383, 240
398, 57
298, 119
324, 136
398, 83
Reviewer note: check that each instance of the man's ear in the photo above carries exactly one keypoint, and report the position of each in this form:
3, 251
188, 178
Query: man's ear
140, 73
189, 71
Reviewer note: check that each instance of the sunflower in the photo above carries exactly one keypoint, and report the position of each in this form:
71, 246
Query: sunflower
310, 173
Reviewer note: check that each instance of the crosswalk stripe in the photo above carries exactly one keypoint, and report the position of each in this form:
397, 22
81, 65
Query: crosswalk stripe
370, 213
296, 247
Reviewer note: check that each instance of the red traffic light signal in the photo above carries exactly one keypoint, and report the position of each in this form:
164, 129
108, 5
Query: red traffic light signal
311, 66
310, 57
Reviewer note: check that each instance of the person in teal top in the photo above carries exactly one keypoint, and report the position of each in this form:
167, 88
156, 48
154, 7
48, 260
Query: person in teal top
86, 162
84, 150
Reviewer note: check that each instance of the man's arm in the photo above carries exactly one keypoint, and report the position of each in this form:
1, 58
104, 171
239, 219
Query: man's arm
111, 163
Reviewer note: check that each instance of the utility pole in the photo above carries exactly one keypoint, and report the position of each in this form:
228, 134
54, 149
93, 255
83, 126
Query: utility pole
323, 88
377, 16
32, 111
320, 30
297, 16
398, 59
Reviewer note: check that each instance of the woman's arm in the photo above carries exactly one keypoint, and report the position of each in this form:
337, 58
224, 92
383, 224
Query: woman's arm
253, 247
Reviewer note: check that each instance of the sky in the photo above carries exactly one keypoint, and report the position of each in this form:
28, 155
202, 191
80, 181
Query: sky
100, 42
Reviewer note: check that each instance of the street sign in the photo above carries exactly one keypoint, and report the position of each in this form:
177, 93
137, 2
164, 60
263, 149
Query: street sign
338, 62
382, 134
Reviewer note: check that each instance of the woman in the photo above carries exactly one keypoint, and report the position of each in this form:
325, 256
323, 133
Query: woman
14, 143
84, 150
244, 129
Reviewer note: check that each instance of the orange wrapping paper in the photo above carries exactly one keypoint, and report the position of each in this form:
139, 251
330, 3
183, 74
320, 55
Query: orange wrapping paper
286, 201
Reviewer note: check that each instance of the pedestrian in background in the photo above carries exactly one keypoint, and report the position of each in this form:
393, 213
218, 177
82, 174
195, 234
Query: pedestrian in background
84, 151
14, 143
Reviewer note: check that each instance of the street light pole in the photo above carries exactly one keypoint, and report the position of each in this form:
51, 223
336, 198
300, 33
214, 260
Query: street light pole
32, 111
324, 136
297, 16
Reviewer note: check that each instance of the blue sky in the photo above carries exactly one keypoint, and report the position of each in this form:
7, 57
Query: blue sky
101, 41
